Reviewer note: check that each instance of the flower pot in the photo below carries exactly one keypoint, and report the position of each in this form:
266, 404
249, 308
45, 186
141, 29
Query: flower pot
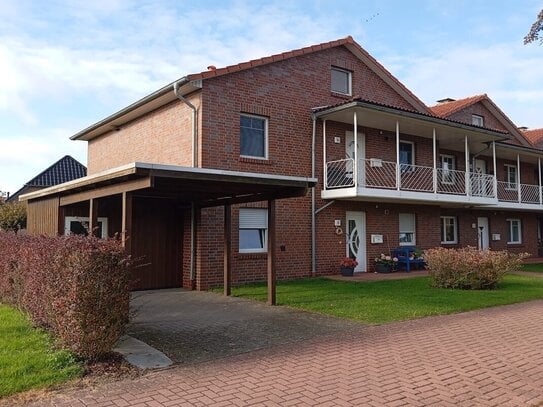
347, 271
383, 268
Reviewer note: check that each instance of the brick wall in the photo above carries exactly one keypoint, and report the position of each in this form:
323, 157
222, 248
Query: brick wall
490, 121
162, 136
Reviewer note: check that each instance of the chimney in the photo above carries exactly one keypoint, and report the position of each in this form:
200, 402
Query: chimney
446, 100
211, 68
523, 128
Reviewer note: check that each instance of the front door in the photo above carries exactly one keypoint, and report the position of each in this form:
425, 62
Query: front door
349, 153
479, 183
482, 230
356, 238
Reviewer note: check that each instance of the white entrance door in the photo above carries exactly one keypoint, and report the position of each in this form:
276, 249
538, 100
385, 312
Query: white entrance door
483, 233
349, 153
479, 183
356, 238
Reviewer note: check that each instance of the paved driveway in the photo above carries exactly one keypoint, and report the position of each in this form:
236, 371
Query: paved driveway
491, 357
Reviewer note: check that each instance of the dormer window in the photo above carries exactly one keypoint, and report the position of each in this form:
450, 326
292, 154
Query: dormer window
341, 81
477, 120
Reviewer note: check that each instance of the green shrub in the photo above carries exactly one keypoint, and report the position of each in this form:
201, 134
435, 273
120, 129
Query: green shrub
468, 268
12, 216
77, 287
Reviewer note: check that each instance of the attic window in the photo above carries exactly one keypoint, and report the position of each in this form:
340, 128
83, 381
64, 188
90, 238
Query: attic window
477, 120
341, 81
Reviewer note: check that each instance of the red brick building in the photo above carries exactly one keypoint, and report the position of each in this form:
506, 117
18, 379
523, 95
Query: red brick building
456, 174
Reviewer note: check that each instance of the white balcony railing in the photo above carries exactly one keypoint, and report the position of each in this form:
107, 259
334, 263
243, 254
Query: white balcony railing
509, 192
380, 174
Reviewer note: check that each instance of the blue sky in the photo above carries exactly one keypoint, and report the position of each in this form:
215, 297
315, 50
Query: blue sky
67, 64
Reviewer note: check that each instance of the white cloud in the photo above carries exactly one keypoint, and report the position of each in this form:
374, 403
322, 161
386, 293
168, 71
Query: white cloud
509, 73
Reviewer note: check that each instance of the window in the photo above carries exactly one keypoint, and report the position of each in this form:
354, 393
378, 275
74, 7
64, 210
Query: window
407, 156
79, 225
447, 168
253, 230
253, 136
514, 231
341, 81
449, 230
511, 176
407, 229
477, 120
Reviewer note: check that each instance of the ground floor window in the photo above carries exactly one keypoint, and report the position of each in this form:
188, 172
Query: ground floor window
253, 230
449, 230
407, 229
514, 232
79, 225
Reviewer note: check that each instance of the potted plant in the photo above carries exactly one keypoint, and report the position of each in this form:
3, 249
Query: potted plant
347, 266
385, 263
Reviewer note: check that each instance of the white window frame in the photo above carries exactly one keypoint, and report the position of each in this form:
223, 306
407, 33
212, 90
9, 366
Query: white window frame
410, 167
442, 228
477, 120
350, 80
443, 172
508, 184
510, 231
81, 219
263, 226
265, 136
413, 242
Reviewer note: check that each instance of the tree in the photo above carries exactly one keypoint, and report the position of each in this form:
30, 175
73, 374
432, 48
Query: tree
536, 29
12, 216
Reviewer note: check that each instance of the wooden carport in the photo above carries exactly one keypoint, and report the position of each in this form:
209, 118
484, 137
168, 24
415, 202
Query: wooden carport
193, 187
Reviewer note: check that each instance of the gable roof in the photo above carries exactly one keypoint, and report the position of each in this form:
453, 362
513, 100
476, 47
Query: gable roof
192, 82
534, 136
348, 42
447, 109
64, 170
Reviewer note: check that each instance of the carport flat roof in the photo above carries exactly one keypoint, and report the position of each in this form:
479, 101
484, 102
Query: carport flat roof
202, 186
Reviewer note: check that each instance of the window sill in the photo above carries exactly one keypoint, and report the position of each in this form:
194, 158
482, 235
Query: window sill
263, 161
252, 256
341, 95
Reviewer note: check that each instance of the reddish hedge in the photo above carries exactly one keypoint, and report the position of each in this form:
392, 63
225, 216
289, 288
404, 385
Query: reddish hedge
76, 287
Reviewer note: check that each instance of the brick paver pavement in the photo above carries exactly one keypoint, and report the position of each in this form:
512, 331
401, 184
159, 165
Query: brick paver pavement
491, 357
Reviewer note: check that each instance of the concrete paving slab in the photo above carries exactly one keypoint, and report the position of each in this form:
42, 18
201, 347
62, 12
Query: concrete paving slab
140, 354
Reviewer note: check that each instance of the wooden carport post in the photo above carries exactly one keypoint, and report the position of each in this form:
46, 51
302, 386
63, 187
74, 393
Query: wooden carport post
93, 216
126, 226
227, 250
271, 252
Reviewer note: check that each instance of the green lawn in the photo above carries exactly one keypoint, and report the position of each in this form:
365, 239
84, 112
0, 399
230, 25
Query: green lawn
27, 358
377, 302
537, 267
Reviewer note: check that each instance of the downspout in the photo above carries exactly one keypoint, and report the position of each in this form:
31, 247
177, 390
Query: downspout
194, 117
313, 214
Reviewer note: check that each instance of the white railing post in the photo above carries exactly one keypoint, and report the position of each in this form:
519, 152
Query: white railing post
325, 175
355, 164
540, 192
495, 170
434, 178
518, 179
398, 172
466, 147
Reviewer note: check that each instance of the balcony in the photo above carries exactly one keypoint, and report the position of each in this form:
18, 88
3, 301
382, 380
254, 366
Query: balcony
376, 178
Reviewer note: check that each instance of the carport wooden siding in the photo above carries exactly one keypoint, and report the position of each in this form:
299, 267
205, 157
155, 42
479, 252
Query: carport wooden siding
43, 217
156, 243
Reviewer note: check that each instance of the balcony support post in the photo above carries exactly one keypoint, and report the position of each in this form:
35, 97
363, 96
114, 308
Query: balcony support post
495, 180
325, 165
398, 173
355, 164
434, 155
466, 148
540, 192
519, 189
